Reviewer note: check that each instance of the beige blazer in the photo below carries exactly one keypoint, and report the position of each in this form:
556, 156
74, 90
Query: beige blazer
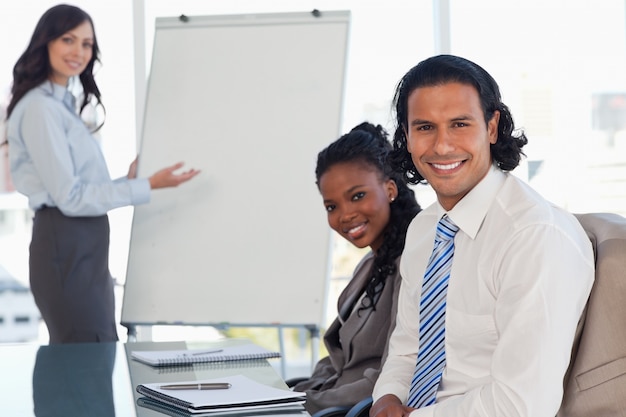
595, 384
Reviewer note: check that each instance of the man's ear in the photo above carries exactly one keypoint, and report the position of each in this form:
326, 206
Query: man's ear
406, 137
492, 127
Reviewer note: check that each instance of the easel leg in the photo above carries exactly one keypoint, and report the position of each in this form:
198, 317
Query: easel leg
281, 344
315, 344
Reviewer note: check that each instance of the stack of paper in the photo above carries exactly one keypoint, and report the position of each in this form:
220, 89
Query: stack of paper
244, 395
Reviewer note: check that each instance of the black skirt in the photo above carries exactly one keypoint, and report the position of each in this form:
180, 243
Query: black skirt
70, 278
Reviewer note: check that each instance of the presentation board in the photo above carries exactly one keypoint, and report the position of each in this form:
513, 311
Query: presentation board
249, 100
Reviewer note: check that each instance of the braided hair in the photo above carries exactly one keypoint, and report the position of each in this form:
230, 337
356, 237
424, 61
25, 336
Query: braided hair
368, 144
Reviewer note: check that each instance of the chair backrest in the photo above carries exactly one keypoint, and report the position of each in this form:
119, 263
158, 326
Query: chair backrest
595, 384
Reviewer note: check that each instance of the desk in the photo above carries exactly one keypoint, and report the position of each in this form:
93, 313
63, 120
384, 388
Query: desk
99, 379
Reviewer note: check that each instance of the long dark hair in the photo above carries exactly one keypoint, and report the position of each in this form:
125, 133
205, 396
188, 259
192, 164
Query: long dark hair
33, 67
443, 69
369, 144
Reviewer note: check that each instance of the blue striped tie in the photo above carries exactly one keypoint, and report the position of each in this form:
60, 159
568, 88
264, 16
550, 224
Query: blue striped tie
431, 357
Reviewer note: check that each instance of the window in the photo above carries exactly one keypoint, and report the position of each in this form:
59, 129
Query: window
560, 66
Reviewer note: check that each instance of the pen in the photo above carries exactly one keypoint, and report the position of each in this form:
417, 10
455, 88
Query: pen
213, 385
206, 352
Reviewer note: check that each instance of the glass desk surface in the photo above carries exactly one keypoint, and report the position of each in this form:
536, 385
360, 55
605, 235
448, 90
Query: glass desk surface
99, 379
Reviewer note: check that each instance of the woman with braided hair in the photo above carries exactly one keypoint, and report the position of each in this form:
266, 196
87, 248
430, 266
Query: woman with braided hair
370, 205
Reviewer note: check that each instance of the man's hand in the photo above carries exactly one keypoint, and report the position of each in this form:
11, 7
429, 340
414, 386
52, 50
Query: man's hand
389, 406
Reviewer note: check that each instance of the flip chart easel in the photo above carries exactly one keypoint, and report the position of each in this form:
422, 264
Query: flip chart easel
249, 100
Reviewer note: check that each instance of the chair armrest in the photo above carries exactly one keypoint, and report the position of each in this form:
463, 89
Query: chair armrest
339, 411
361, 409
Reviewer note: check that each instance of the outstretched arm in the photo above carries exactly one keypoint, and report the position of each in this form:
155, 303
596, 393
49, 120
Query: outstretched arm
167, 177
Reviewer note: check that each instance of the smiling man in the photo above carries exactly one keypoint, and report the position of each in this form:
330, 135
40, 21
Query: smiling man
485, 325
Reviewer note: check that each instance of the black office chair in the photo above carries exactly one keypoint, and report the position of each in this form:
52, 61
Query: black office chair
360, 409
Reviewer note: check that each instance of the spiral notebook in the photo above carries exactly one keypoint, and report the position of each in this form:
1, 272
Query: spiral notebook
212, 366
191, 356
244, 395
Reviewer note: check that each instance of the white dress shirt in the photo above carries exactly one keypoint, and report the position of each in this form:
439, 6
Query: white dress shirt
55, 161
521, 275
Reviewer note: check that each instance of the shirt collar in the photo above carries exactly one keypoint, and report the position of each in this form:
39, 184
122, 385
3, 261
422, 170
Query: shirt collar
60, 93
470, 212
